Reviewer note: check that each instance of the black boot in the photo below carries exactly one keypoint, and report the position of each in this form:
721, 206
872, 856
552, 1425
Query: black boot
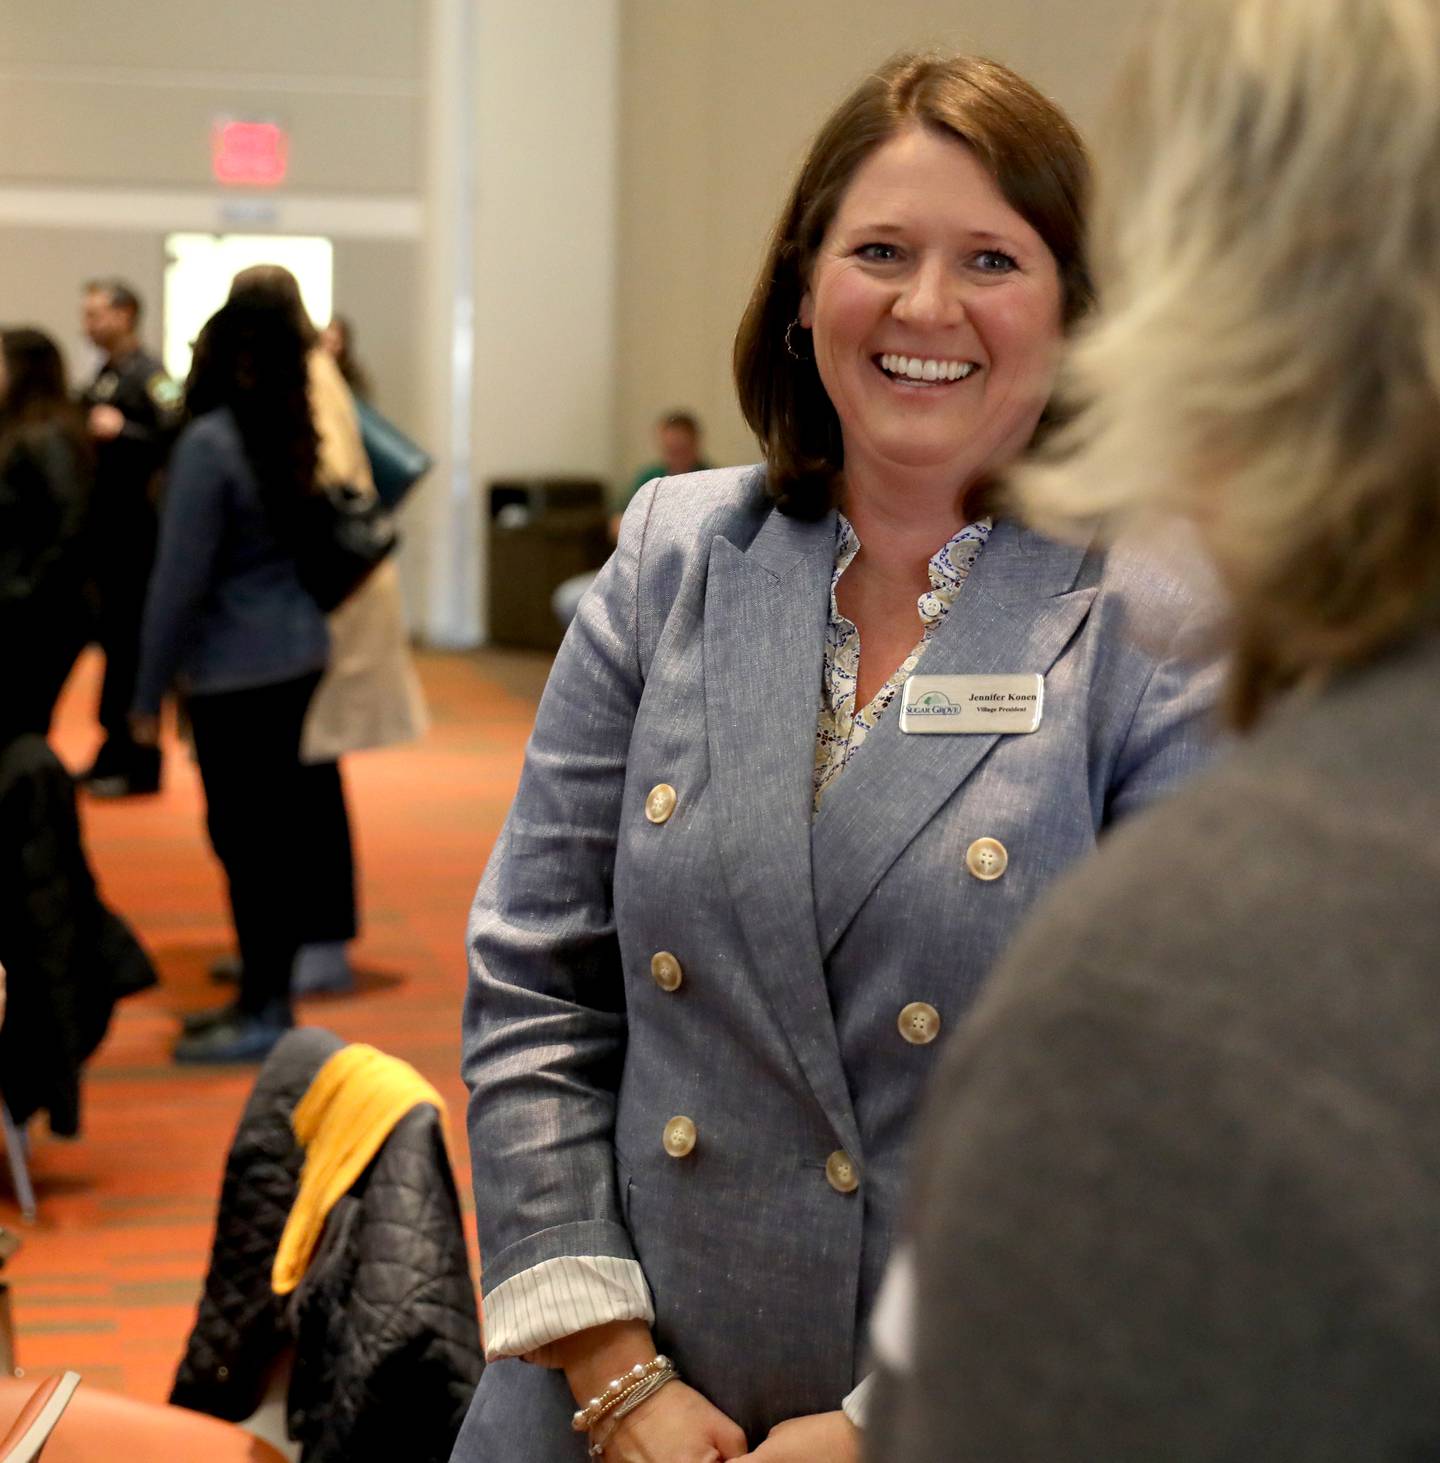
236, 1036
137, 775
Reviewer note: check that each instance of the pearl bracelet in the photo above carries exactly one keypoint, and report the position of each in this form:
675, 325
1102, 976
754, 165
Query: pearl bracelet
629, 1401
615, 1391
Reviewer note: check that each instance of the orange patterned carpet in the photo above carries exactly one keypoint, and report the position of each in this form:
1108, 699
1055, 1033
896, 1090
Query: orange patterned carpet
108, 1278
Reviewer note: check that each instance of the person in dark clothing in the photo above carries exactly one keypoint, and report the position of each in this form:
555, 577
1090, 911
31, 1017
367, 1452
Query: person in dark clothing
132, 411
68, 957
45, 483
229, 620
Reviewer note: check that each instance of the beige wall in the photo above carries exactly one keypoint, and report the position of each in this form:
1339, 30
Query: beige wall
124, 91
719, 99
122, 95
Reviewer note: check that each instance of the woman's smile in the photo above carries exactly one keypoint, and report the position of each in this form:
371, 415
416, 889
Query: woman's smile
919, 371
935, 309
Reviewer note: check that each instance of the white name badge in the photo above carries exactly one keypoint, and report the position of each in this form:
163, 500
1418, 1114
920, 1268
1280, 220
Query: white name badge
947, 705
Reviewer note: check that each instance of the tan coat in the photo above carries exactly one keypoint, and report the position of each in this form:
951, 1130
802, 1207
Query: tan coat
370, 695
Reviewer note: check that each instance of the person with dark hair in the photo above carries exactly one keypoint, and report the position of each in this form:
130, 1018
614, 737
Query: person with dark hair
370, 695
45, 483
228, 620
132, 409
678, 443
819, 735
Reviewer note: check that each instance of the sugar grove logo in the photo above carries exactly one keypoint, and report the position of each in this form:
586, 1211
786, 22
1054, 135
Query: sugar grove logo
933, 703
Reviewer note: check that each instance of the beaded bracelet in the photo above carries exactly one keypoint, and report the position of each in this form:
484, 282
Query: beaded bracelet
633, 1385
630, 1395
641, 1392
598, 1407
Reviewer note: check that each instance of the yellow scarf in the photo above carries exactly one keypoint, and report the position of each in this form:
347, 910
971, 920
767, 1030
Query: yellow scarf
347, 1112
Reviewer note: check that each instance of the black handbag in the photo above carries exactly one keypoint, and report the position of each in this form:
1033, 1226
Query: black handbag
396, 462
341, 536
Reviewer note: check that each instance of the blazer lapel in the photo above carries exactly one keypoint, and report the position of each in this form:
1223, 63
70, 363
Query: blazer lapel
1016, 613
766, 610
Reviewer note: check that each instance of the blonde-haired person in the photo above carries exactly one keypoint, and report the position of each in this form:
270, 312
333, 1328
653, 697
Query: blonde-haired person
1178, 1191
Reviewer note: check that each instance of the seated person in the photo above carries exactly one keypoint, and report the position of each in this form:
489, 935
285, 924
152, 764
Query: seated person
678, 441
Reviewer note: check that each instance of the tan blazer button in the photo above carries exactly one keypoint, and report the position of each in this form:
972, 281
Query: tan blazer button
679, 1137
840, 1172
666, 970
660, 802
919, 1023
986, 858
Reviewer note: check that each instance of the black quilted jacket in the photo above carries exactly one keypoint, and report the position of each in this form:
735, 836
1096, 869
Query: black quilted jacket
68, 958
384, 1329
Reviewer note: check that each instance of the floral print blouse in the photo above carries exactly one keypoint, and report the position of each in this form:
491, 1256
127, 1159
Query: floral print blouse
841, 730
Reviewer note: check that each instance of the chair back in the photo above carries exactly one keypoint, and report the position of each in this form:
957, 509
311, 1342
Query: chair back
31, 1430
102, 1425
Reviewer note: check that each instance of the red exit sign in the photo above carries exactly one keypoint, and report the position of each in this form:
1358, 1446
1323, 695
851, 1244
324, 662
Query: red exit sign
249, 154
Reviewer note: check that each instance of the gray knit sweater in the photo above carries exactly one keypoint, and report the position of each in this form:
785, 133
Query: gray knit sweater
1177, 1192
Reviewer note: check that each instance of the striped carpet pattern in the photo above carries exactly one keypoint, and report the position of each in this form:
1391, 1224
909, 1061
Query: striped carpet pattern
109, 1276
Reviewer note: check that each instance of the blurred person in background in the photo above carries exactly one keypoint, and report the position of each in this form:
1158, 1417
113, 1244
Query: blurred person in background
1176, 1192
678, 440
46, 466
338, 340
132, 408
680, 448
370, 696
742, 895
228, 620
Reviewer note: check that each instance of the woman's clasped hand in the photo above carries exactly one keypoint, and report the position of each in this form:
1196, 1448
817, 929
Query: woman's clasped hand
676, 1425
823, 1437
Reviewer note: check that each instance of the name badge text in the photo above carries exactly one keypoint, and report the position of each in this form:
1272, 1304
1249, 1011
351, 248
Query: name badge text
973, 705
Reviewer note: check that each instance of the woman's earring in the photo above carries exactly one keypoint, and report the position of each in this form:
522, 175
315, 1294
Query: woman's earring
790, 350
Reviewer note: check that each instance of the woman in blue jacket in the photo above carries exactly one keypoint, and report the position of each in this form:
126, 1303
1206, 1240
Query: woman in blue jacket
818, 735
228, 621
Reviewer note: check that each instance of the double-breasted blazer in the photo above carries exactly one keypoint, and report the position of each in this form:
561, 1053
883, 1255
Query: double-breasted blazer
696, 662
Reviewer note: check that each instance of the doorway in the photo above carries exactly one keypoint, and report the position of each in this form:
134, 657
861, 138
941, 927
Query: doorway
199, 268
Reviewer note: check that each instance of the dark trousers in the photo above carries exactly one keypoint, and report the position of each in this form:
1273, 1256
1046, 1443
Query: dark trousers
35, 662
261, 804
330, 915
122, 578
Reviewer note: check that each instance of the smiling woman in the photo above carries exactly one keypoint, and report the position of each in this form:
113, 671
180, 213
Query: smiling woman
926, 267
1027, 165
742, 895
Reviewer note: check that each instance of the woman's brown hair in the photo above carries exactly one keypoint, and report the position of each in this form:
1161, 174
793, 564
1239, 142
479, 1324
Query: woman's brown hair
1039, 164
37, 399
251, 358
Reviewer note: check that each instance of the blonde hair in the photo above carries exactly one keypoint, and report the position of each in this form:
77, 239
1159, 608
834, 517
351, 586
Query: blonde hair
1266, 358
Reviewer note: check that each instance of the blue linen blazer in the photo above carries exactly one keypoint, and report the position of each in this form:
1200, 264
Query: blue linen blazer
696, 660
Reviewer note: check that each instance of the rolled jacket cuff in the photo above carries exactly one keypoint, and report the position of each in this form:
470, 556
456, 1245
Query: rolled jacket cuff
559, 1297
558, 1242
